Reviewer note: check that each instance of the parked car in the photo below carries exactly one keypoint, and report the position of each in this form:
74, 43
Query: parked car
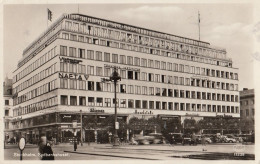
175, 138
186, 139
157, 138
229, 139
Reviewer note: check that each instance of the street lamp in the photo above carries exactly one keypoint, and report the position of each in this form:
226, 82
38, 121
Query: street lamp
114, 78
81, 132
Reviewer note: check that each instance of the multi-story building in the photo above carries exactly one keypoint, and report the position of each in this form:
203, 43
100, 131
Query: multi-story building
8, 112
247, 109
162, 75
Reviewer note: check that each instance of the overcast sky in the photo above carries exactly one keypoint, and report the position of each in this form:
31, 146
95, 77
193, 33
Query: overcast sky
223, 25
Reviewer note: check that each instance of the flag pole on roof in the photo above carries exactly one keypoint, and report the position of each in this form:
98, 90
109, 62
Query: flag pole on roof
199, 23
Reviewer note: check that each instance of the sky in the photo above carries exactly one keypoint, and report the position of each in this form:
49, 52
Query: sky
228, 26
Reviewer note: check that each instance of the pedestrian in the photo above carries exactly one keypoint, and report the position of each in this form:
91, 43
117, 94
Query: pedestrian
45, 149
203, 143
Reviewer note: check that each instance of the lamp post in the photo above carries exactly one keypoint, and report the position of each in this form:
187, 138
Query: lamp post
81, 132
114, 78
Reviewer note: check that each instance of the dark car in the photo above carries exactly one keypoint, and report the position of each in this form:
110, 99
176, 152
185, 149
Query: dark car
186, 139
175, 138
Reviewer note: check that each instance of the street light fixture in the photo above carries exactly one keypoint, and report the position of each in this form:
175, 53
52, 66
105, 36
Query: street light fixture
114, 78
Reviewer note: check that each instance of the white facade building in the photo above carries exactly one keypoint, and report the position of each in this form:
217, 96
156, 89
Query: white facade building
162, 75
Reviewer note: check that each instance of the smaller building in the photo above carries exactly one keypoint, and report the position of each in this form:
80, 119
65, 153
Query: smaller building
8, 104
247, 110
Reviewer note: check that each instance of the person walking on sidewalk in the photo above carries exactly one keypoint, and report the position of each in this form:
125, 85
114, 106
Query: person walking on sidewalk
45, 149
203, 143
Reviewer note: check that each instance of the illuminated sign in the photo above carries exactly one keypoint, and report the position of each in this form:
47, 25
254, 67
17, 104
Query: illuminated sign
143, 112
123, 68
73, 76
68, 60
97, 110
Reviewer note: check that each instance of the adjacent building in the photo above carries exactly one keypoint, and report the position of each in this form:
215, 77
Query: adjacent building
247, 110
8, 111
164, 75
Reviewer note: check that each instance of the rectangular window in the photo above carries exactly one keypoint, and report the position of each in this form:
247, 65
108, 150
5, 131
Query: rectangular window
130, 103
98, 55
64, 100
73, 84
99, 86
122, 59
82, 85
90, 54
82, 100
137, 104
158, 105
91, 101
91, 85
123, 103
90, 70
151, 104
63, 50
114, 58
82, 53
99, 101
73, 100
107, 57
107, 102
129, 60
137, 61
72, 52
99, 71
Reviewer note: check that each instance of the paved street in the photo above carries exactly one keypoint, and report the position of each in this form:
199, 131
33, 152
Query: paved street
135, 152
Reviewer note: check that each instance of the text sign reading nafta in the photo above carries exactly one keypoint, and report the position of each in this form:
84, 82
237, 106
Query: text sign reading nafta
73, 76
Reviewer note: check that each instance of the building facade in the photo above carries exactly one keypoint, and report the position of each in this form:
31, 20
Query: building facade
8, 111
162, 75
247, 110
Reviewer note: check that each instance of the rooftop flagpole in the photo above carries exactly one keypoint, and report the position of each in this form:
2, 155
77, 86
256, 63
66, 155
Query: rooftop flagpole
199, 23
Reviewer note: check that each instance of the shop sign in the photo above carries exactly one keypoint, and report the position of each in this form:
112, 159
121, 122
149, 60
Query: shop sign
68, 60
124, 68
143, 112
225, 116
192, 114
73, 76
97, 110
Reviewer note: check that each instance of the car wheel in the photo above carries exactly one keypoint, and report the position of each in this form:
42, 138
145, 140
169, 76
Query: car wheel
230, 141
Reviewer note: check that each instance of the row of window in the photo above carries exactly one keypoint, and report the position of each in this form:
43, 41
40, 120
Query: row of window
35, 65
36, 106
247, 102
145, 104
144, 90
148, 50
138, 39
45, 88
36, 78
247, 113
127, 74
129, 60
